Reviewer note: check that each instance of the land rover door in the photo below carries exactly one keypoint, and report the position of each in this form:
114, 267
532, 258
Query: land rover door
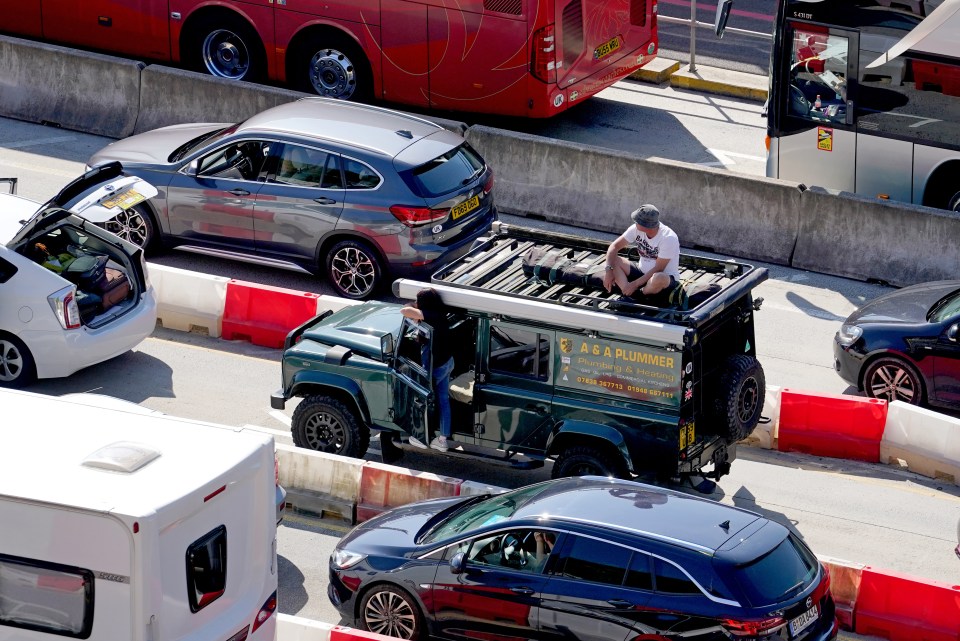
514, 394
412, 392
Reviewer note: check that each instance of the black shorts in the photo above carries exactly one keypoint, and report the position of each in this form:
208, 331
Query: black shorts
661, 298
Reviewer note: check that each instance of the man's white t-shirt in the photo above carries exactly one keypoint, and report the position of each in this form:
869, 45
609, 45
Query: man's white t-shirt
665, 244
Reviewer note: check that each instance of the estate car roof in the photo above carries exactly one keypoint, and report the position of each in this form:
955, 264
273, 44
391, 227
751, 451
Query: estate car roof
666, 515
373, 128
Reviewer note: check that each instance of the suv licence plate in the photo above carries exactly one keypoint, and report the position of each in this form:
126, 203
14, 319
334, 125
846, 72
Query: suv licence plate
803, 621
606, 48
124, 200
465, 207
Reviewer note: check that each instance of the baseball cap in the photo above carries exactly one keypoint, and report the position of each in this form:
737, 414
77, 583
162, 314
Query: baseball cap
646, 216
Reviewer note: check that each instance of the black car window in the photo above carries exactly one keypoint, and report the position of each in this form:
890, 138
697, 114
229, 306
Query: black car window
7, 270
446, 173
588, 559
638, 574
302, 166
520, 352
780, 573
359, 176
238, 161
672, 580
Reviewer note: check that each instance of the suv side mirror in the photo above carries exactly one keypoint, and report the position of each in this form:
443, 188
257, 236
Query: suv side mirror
193, 168
386, 344
723, 14
457, 563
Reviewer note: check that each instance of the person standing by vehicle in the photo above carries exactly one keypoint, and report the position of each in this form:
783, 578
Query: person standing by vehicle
658, 271
430, 309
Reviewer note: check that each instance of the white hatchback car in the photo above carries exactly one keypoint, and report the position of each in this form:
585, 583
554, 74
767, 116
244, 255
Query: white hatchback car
71, 293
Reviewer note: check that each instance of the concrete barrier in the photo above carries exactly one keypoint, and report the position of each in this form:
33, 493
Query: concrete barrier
386, 486
77, 90
885, 236
924, 441
291, 628
844, 587
188, 301
473, 488
321, 483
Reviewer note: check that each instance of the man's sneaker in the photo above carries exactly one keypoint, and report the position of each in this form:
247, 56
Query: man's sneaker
440, 443
417, 443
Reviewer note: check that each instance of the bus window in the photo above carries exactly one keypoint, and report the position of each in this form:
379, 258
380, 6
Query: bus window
818, 72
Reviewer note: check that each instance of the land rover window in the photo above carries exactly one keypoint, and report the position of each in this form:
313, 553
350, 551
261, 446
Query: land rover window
588, 559
672, 580
519, 352
207, 568
46, 597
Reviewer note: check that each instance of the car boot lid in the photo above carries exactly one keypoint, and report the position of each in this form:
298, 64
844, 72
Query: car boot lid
98, 195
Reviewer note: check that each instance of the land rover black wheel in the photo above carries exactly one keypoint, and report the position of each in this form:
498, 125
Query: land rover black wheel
740, 396
893, 379
17, 368
585, 460
354, 270
224, 45
390, 611
135, 225
324, 424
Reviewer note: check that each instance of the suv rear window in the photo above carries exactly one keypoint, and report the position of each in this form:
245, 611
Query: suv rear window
446, 173
779, 574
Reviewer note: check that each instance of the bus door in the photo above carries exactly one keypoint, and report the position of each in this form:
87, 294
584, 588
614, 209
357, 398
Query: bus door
817, 142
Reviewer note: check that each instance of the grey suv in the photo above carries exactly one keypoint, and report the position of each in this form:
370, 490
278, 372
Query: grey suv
355, 192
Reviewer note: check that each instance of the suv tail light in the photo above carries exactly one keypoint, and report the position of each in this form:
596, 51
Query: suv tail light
64, 306
488, 185
413, 216
269, 607
753, 628
543, 62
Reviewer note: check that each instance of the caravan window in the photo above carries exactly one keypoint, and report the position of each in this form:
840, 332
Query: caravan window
47, 597
207, 568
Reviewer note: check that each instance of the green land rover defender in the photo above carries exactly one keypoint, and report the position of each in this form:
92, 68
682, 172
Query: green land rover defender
545, 367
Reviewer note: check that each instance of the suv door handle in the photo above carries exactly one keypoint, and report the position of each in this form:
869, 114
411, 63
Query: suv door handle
620, 603
239, 192
539, 409
323, 200
523, 590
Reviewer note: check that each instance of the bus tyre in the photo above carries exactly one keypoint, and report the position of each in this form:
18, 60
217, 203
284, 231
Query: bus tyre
585, 460
324, 424
740, 396
224, 45
333, 66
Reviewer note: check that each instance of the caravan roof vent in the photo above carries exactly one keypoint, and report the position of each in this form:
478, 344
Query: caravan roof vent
122, 456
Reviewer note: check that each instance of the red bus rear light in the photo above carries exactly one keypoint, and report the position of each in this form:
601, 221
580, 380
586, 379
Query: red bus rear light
413, 216
543, 61
265, 612
753, 628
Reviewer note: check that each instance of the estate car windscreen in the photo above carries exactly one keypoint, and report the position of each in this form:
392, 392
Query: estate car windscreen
499, 507
446, 173
195, 143
947, 307
785, 571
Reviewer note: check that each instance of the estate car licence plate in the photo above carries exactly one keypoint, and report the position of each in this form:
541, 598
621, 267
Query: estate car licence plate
606, 48
803, 621
126, 200
465, 207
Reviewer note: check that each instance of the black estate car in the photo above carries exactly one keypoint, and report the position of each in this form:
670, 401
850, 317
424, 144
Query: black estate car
904, 346
586, 558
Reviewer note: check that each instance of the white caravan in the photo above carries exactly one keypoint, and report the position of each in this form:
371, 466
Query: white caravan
119, 525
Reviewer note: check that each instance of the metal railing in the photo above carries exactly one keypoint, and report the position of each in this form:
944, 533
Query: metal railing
695, 24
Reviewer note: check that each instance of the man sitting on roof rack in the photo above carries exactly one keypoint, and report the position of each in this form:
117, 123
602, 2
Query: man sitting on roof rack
658, 272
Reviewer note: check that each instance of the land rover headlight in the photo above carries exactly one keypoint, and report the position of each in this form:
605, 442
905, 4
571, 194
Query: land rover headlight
849, 334
343, 559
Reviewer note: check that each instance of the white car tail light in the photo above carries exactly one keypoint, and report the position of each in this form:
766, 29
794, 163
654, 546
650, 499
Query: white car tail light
64, 306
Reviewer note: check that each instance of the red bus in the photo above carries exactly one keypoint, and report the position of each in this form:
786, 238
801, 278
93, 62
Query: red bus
530, 58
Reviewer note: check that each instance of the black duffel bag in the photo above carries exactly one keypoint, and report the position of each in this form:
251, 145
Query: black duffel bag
557, 266
88, 273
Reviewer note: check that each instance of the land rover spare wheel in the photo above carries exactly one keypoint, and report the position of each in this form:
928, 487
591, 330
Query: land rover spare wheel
740, 394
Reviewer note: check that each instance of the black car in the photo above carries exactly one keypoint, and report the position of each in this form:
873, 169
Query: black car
628, 561
904, 346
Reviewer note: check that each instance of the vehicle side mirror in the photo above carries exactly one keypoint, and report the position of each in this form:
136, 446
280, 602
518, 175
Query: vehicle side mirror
952, 332
193, 168
386, 344
723, 14
458, 563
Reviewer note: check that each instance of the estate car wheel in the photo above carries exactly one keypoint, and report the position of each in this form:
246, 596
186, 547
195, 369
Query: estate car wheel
354, 269
893, 379
740, 396
388, 610
588, 461
324, 424
17, 368
332, 66
224, 45
135, 225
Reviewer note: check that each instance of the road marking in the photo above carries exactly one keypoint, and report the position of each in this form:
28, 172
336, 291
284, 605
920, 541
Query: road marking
20, 144
46, 169
280, 416
726, 158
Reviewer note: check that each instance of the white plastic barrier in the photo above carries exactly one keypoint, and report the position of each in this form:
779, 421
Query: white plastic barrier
473, 488
765, 434
926, 442
333, 303
320, 482
291, 628
189, 301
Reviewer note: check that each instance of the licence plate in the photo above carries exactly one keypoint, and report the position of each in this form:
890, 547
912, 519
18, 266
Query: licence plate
465, 207
125, 200
606, 48
687, 436
803, 621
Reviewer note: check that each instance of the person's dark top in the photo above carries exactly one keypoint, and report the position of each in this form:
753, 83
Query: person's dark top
440, 343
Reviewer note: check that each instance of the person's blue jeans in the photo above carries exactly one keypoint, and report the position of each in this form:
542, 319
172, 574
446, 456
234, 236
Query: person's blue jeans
441, 383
